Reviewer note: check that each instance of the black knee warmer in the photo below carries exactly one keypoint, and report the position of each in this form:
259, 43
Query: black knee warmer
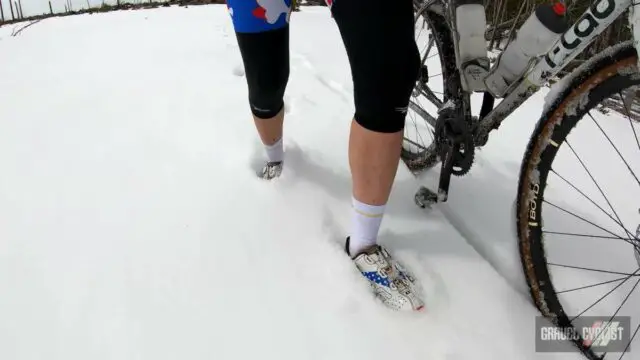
379, 40
266, 63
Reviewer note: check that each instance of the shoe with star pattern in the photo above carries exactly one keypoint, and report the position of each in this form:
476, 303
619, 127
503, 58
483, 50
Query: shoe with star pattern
390, 281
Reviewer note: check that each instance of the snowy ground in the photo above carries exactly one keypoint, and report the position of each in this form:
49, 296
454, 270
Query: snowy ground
132, 226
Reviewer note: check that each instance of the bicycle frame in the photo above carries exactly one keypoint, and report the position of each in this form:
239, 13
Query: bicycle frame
600, 15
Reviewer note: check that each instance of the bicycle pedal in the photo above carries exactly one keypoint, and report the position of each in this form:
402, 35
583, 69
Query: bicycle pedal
425, 198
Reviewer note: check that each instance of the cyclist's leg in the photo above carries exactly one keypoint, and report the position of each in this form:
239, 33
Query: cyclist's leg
262, 31
379, 39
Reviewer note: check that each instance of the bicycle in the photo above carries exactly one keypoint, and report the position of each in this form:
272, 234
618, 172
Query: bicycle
456, 132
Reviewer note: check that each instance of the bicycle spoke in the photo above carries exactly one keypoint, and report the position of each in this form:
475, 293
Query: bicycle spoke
589, 222
428, 120
429, 46
596, 270
628, 111
587, 197
619, 308
424, 22
418, 109
590, 286
630, 341
600, 189
610, 291
422, 89
415, 125
425, 120
415, 144
430, 95
614, 147
583, 235
430, 56
417, 134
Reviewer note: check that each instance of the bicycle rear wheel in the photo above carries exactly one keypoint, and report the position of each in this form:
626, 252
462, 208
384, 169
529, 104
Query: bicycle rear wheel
579, 240
437, 76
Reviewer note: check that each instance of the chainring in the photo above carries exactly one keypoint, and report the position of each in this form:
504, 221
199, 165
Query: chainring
463, 159
447, 137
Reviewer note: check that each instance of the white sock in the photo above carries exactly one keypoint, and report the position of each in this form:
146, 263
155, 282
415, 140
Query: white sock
365, 224
275, 152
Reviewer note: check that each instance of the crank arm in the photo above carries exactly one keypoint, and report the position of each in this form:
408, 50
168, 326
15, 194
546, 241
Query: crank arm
445, 173
425, 197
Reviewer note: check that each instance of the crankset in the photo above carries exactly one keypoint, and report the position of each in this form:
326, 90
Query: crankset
454, 135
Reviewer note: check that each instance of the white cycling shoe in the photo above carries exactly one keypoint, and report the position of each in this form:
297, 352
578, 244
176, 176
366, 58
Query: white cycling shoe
390, 281
271, 170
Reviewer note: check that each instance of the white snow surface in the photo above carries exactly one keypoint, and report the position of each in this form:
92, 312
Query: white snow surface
132, 225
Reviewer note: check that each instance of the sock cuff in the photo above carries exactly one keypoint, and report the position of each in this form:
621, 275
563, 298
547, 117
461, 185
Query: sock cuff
275, 152
370, 211
276, 144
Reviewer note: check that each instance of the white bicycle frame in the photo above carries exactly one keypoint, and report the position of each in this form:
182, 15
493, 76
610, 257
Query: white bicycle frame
600, 15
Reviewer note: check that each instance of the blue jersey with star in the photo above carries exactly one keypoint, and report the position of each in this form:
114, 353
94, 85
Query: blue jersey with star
249, 16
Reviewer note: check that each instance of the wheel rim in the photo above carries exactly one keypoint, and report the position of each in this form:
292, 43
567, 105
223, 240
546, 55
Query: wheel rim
577, 214
597, 226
